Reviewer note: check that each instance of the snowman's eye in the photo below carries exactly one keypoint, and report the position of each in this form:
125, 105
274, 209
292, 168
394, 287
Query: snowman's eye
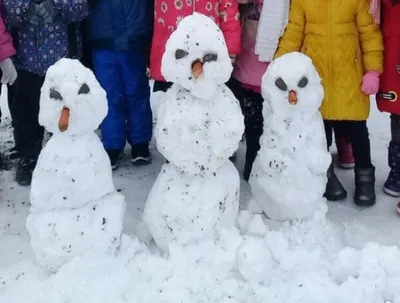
180, 53
303, 82
55, 95
84, 90
279, 83
210, 58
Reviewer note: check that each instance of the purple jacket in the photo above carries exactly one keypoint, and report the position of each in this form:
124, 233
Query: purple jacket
39, 47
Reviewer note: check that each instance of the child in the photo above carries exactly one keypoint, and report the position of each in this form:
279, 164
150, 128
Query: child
7, 50
120, 32
251, 64
346, 47
389, 94
44, 31
167, 14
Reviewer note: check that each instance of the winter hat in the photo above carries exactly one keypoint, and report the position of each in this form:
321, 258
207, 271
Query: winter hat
375, 10
272, 23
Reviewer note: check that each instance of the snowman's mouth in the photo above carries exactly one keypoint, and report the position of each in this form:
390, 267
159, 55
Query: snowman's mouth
293, 97
197, 69
63, 122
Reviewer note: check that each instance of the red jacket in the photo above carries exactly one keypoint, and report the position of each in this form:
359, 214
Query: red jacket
388, 99
7, 49
168, 13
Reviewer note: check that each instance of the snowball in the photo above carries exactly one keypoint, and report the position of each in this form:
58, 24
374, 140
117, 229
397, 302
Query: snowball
197, 37
255, 261
71, 171
289, 175
198, 136
69, 84
185, 208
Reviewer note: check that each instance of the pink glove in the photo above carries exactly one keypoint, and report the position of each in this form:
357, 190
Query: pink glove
370, 83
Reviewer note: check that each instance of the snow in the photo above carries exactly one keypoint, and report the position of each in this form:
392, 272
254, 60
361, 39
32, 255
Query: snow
289, 175
197, 191
320, 260
75, 207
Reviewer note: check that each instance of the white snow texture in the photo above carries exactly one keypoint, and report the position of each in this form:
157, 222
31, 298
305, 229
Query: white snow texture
289, 175
75, 207
197, 193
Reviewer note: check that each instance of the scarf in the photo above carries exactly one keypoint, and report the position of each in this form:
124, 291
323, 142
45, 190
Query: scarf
273, 21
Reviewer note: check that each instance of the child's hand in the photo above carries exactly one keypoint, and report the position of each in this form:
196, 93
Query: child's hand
9, 72
370, 83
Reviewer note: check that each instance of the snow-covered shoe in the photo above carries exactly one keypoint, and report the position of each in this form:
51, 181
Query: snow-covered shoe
345, 152
334, 189
115, 156
398, 208
392, 184
25, 167
365, 186
140, 154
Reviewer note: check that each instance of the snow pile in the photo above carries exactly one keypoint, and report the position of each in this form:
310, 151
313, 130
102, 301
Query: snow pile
75, 207
197, 130
289, 175
296, 262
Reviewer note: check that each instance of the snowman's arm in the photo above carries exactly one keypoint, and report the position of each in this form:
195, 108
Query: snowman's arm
318, 155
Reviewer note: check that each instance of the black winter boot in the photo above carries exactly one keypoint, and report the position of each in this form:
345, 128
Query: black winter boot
334, 189
365, 186
23, 175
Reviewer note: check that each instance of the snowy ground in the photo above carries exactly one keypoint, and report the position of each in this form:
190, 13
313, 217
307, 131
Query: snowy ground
298, 264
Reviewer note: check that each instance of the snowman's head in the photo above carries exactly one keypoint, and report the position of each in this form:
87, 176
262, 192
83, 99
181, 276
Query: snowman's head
71, 101
292, 86
196, 57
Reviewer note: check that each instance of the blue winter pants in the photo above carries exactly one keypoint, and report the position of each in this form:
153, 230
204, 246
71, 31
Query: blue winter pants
123, 77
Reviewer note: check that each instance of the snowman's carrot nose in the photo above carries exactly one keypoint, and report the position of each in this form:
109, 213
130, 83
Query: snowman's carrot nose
197, 69
64, 120
293, 97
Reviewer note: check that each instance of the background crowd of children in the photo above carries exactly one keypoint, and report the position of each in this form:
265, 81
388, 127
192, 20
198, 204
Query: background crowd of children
354, 44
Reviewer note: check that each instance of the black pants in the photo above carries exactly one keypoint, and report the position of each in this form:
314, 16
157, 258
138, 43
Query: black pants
251, 103
24, 97
358, 133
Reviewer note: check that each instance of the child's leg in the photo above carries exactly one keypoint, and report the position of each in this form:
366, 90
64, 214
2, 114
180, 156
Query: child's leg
28, 134
137, 98
344, 148
334, 189
254, 122
113, 128
364, 170
392, 184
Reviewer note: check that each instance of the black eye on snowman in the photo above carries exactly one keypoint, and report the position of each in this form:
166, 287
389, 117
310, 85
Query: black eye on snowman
279, 83
303, 82
55, 95
210, 57
84, 90
180, 53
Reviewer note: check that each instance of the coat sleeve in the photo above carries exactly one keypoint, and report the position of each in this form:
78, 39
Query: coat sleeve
292, 39
72, 10
230, 25
6, 44
15, 12
370, 38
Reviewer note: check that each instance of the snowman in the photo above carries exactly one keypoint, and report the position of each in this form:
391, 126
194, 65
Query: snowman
75, 207
199, 126
289, 175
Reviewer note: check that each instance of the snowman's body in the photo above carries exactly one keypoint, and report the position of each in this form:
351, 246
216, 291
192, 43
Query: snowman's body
75, 207
289, 175
197, 192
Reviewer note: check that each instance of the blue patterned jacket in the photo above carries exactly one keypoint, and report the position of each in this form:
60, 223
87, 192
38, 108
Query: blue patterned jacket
39, 47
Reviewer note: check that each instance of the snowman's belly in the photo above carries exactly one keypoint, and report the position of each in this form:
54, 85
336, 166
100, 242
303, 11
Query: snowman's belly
69, 176
58, 236
184, 208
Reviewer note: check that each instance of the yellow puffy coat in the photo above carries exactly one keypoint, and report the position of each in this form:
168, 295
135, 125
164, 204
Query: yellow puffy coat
343, 41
